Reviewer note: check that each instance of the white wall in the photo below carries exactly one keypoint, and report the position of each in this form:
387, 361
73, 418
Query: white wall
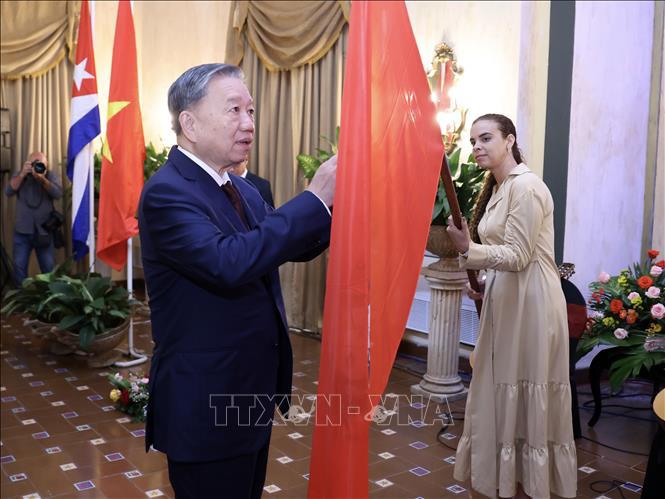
171, 36
608, 136
486, 39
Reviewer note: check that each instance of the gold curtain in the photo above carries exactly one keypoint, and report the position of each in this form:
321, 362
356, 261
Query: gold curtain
284, 34
35, 35
36, 88
295, 108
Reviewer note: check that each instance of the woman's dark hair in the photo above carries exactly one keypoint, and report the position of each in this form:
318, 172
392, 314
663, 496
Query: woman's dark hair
506, 127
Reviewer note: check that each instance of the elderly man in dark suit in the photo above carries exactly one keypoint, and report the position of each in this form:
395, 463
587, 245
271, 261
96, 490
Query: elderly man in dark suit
260, 183
211, 249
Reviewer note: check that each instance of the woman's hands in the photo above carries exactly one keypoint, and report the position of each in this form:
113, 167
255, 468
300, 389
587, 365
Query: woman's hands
475, 295
460, 238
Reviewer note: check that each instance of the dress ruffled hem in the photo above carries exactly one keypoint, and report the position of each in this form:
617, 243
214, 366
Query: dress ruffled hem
540, 470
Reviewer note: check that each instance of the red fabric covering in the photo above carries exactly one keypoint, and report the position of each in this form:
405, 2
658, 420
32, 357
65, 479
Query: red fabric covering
389, 161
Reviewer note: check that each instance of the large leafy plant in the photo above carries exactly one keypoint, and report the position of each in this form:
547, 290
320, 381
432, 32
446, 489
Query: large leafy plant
86, 305
31, 298
468, 179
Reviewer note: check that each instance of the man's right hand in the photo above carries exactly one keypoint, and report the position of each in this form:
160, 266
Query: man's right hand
323, 183
26, 169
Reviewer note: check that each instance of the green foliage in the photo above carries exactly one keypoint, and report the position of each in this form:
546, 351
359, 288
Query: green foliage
87, 305
31, 298
630, 366
154, 159
309, 164
468, 179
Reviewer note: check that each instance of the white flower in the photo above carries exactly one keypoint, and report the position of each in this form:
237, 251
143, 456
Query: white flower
603, 277
118, 376
620, 333
597, 314
653, 292
655, 271
135, 387
658, 311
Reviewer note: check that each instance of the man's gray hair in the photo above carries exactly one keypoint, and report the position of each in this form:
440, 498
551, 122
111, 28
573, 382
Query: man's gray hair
192, 86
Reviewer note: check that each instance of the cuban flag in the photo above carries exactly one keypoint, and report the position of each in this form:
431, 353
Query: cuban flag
85, 126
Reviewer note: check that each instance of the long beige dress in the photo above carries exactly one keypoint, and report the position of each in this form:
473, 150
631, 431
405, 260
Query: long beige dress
518, 425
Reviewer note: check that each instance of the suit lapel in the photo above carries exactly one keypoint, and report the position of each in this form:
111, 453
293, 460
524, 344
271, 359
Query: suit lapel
222, 207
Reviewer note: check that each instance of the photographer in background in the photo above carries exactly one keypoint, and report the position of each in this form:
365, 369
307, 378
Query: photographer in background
35, 188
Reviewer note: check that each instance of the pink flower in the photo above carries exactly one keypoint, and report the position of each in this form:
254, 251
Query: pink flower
653, 292
655, 271
658, 311
603, 277
633, 296
620, 333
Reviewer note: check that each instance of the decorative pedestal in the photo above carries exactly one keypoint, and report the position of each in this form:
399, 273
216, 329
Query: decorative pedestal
441, 382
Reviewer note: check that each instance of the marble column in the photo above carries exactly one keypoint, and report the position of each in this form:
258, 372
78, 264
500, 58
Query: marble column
441, 382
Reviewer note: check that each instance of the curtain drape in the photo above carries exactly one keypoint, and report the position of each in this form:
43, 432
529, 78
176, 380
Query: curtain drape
36, 35
284, 34
36, 88
296, 107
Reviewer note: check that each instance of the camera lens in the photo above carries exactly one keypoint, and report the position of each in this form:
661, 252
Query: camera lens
38, 167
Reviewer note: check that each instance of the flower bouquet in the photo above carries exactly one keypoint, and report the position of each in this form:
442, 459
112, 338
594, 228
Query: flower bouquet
130, 394
628, 311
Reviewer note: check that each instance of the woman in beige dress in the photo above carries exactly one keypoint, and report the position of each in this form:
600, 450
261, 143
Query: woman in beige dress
518, 435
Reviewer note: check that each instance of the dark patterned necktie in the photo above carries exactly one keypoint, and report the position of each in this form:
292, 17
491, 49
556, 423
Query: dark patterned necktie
232, 193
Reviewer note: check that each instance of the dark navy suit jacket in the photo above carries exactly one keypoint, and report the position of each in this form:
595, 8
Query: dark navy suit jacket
263, 186
218, 319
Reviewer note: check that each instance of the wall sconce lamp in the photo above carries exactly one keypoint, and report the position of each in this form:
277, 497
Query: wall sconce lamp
443, 78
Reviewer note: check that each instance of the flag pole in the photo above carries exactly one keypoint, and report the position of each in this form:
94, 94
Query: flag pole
456, 213
91, 196
138, 358
92, 256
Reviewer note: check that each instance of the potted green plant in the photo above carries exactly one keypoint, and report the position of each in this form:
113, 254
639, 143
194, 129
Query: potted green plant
90, 307
30, 298
86, 312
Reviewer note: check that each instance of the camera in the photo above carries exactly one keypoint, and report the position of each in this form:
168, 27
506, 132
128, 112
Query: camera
38, 167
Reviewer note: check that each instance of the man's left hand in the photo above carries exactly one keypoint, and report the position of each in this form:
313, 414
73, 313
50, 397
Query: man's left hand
40, 177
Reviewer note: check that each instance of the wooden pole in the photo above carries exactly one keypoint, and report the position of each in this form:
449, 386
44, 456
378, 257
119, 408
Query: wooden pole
449, 187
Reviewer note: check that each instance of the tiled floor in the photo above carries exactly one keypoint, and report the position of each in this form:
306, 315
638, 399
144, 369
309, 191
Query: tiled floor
61, 436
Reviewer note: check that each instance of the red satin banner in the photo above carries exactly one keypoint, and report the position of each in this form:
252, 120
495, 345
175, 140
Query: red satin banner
389, 160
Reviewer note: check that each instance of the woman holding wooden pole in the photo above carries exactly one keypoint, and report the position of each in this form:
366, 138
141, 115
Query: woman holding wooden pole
518, 436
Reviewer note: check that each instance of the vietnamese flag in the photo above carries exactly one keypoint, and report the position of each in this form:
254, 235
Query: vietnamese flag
390, 156
124, 149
